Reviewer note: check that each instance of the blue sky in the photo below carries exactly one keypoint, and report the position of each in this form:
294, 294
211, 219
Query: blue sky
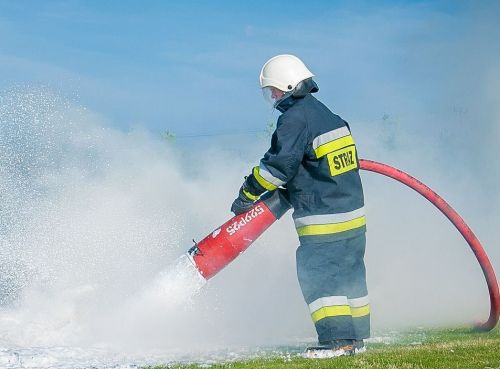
192, 66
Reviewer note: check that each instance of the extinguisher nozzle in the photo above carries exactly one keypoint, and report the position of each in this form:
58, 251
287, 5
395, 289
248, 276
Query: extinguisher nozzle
193, 251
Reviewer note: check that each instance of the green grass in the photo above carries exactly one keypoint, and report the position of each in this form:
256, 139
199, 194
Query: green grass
421, 349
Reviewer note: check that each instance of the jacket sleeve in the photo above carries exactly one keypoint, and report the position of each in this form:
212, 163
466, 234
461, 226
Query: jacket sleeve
281, 162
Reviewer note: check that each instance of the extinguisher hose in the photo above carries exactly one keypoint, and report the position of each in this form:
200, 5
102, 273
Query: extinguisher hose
458, 222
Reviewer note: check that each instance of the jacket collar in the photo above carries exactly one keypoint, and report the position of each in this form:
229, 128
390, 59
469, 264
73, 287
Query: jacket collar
286, 103
304, 88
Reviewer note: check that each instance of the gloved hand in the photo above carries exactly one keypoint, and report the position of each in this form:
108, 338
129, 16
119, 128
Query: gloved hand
243, 203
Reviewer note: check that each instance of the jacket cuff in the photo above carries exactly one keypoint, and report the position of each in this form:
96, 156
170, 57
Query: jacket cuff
253, 187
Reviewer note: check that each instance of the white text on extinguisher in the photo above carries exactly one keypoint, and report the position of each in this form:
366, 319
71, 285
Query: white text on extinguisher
254, 213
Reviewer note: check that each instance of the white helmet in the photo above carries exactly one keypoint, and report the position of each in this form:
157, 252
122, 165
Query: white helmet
284, 72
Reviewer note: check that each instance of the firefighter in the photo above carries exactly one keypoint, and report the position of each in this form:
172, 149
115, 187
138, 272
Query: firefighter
313, 156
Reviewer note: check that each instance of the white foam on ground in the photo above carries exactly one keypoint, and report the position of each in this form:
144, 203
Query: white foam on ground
32, 333
71, 357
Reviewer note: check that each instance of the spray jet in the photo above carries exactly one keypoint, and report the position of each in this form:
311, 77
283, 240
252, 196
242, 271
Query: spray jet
223, 245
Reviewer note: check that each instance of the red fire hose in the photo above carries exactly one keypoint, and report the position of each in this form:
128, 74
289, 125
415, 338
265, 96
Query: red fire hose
458, 222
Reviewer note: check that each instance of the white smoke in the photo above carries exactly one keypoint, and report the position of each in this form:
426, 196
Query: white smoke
94, 220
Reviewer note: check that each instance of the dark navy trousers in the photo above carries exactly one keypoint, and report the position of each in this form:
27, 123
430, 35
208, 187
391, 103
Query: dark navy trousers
332, 277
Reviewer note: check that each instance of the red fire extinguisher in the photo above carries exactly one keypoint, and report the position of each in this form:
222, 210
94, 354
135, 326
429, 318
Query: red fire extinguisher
225, 243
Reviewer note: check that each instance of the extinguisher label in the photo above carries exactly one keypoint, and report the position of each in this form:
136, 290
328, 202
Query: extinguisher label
244, 220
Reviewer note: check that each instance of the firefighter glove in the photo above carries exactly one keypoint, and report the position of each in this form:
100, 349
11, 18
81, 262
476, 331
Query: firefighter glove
244, 202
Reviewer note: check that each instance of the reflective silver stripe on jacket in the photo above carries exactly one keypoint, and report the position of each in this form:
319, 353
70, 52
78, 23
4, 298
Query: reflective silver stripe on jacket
330, 136
329, 218
264, 173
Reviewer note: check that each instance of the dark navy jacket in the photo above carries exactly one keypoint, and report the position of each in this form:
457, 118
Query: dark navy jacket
313, 156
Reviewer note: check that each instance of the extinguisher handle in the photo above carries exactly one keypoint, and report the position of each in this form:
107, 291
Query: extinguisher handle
277, 201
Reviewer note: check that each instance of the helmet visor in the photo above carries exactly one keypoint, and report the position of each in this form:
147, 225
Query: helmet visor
268, 95
272, 95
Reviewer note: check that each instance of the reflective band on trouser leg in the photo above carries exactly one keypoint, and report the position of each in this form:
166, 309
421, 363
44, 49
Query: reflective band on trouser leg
266, 179
360, 309
331, 311
332, 306
356, 315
